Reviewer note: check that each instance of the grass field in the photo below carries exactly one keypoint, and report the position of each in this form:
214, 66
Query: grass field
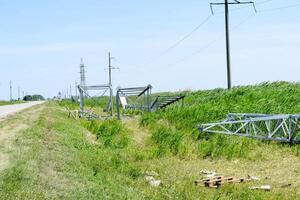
2, 103
55, 157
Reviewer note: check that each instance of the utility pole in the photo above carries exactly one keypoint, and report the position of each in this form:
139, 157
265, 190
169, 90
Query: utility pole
19, 98
226, 5
110, 85
82, 74
10, 90
76, 88
110, 68
82, 87
227, 45
70, 91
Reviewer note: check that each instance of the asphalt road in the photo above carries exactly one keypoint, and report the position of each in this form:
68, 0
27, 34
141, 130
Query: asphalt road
11, 109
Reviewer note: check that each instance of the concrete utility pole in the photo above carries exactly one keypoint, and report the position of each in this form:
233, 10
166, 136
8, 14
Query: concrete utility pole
81, 87
10, 90
110, 68
110, 84
76, 89
70, 91
82, 74
226, 5
19, 98
227, 45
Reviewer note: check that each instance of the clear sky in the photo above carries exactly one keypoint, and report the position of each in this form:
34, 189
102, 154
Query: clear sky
42, 42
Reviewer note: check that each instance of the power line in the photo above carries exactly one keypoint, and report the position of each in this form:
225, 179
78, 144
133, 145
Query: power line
214, 41
177, 43
270, 9
226, 6
244, 7
280, 8
211, 43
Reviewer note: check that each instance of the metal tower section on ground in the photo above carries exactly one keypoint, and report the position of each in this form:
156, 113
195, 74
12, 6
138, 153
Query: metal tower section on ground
284, 127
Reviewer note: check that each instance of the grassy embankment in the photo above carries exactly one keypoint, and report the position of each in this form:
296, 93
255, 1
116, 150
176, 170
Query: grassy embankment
58, 158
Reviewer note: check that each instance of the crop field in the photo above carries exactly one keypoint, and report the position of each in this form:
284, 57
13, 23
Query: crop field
58, 157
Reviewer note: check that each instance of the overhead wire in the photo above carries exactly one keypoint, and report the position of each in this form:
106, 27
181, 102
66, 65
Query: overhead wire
189, 34
207, 46
177, 43
281, 8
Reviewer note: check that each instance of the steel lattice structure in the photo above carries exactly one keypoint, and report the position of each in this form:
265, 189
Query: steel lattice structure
284, 128
134, 91
83, 90
162, 102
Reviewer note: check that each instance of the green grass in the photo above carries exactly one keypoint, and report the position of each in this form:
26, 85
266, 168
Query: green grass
55, 159
214, 105
2, 103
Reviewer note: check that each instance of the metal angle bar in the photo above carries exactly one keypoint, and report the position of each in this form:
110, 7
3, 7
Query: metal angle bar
285, 128
288, 126
84, 91
255, 137
145, 90
133, 88
255, 119
224, 128
241, 127
130, 92
248, 115
267, 123
254, 129
277, 128
232, 3
96, 87
172, 102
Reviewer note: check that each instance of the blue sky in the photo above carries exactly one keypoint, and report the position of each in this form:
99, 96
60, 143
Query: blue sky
42, 42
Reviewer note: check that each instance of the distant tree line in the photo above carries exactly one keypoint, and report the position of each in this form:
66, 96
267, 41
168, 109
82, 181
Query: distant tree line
35, 97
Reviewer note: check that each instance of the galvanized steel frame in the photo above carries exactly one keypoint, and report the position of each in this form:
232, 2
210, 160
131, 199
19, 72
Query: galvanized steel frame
134, 91
284, 127
83, 90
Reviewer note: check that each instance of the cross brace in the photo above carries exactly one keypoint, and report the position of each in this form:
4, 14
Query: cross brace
284, 127
134, 91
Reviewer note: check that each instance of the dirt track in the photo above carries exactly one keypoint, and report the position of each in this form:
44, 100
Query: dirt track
11, 109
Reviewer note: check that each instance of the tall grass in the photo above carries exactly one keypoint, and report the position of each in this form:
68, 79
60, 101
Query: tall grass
214, 105
111, 133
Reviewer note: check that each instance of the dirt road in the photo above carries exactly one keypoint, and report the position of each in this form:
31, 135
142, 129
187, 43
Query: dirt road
11, 109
